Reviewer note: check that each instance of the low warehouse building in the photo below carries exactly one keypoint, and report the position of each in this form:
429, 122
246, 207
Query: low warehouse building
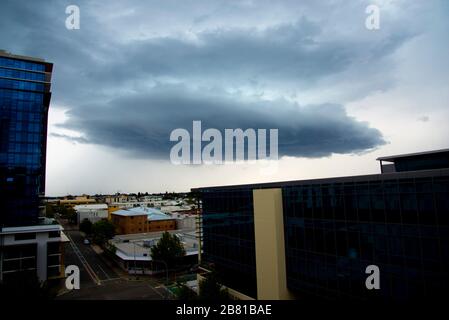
133, 251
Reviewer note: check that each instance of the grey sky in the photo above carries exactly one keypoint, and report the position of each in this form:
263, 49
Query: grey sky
338, 93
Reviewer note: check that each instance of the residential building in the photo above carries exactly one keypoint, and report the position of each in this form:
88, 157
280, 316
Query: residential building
91, 212
185, 222
71, 202
131, 204
141, 219
315, 238
29, 243
111, 209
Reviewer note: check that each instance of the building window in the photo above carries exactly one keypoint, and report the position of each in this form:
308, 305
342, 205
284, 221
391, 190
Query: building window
24, 236
54, 234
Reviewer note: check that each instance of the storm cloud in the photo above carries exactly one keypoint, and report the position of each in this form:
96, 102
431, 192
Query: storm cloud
130, 92
142, 123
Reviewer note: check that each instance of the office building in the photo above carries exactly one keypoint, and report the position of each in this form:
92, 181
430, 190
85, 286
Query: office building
313, 239
29, 243
141, 219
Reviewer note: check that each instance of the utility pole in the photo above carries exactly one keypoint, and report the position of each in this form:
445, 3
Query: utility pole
135, 267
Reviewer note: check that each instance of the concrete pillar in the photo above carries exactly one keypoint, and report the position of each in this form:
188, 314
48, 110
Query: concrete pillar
270, 246
41, 259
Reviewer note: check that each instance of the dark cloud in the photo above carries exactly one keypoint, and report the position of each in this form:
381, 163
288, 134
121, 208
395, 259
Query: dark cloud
70, 138
121, 93
141, 124
286, 57
95, 64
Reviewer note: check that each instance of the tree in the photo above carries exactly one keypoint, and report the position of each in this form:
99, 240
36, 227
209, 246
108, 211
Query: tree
72, 216
86, 226
102, 231
184, 292
211, 289
168, 249
49, 212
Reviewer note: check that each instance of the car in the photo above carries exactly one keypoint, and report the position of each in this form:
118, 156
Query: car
86, 241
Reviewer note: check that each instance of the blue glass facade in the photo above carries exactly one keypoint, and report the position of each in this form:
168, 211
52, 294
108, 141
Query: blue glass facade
228, 237
334, 229
24, 102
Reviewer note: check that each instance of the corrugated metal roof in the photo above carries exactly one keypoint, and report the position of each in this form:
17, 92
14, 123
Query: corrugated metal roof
152, 213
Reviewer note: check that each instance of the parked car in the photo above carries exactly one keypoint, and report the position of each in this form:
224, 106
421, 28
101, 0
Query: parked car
86, 241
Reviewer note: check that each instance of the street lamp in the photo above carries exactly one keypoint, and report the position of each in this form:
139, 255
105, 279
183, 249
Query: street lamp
166, 269
135, 268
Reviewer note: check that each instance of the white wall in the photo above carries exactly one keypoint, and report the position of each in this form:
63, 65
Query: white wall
92, 215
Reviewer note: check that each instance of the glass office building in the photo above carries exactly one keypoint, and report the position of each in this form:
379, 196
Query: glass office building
24, 101
228, 237
335, 228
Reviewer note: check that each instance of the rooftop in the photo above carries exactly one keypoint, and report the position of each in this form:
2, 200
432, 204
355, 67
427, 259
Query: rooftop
152, 213
344, 179
415, 154
7, 54
44, 225
138, 246
96, 206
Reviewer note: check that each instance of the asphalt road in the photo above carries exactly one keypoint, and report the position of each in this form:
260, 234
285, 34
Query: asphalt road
119, 289
98, 280
92, 268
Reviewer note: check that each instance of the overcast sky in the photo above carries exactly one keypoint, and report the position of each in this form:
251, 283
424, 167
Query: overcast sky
339, 94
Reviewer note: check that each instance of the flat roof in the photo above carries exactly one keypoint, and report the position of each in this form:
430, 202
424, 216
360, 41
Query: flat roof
95, 206
35, 228
6, 54
344, 179
76, 200
136, 246
409, 155
151, 213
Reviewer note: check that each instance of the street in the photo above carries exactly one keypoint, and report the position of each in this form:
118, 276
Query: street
99, 280
93, 269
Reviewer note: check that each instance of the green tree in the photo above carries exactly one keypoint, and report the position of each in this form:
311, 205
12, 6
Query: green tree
49, 211
62, 210
168, 249
102, 231
184, 292
86, 226
211, 289
71, 215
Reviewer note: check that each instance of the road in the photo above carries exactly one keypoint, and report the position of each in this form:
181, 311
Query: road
98, 280
92, 268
